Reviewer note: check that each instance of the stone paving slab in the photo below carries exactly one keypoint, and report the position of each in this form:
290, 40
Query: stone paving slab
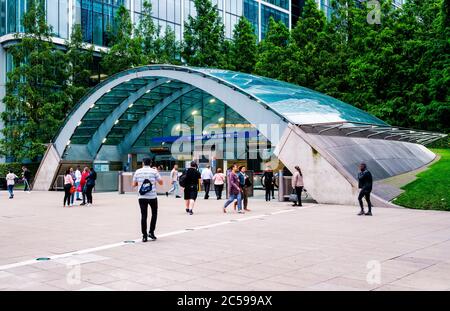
273, 247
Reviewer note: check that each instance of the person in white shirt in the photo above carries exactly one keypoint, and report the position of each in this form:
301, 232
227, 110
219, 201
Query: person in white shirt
146, 196
219, 181
174, 179
77, 183
207, 176
10, 181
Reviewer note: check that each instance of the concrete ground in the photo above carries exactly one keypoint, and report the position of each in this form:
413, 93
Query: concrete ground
273, 247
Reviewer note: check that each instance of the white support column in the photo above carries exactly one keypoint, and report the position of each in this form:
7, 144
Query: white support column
290, 15
70, 17
131, 7
182, 18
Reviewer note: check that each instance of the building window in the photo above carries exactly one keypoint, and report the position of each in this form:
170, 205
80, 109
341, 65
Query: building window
95, 17
281, 3
251, 13
266, 13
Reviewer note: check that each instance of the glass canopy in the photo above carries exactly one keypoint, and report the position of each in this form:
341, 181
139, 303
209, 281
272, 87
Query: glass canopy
163, 102
297, 104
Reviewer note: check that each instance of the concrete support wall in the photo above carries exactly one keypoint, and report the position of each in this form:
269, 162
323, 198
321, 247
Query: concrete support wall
47, 169
324, 180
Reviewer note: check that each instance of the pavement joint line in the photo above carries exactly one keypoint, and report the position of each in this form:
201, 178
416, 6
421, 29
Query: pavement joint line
127, 242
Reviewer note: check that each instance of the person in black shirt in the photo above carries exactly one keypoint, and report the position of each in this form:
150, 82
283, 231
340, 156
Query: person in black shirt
90, 184
191, 187
365, 182
26, 175
268, 179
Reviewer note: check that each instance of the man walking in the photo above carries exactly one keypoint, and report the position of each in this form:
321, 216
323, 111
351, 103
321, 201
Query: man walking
191, 180
174, 178
145, 180
207, 176
26, 176
235, 190
245, 184
365, 182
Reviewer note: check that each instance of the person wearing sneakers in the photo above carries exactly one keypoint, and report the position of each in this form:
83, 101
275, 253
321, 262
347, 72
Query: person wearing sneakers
235, 190
68, 184
10, 181
365, 182
145, 179
26, 176
175, 186
191, 187
207, 176
90, 184
77, 182
219, 182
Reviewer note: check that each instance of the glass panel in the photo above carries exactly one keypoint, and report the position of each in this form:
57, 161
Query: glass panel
97, 23
2, 17
266, 13
11, 19
171, 10
63, 22
251, 13
281, 3
298, 104
52, 15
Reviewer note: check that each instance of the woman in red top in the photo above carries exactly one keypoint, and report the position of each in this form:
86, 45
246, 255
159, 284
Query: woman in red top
83, 183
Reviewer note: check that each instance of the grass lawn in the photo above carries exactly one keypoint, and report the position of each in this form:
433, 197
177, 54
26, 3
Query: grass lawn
431, 189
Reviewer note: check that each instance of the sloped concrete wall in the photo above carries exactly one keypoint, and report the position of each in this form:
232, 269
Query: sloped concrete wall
330, 163
47, 169
384, 158
324, 180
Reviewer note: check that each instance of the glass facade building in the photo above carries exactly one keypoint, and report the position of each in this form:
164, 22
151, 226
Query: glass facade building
95, 16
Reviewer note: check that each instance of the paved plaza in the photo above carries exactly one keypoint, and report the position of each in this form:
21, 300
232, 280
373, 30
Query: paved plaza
273, 247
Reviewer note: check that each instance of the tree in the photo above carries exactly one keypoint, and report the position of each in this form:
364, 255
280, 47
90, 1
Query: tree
243, 47
307, 47
125, 50
79, 62
204, 36
148, 33
35, 101
273, 51
168, 49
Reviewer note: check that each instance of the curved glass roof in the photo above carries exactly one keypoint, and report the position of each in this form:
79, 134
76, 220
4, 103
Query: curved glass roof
297, 104
114, 117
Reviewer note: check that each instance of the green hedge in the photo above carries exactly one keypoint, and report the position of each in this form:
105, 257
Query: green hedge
17, 168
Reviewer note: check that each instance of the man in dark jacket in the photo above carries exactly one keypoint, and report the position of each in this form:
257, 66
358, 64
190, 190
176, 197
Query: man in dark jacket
365, 184
26, 175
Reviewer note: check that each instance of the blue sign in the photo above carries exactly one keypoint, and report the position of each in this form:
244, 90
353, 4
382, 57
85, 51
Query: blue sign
171, 139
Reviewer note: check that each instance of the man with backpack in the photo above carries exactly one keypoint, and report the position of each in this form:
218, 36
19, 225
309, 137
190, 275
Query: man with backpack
145, 180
